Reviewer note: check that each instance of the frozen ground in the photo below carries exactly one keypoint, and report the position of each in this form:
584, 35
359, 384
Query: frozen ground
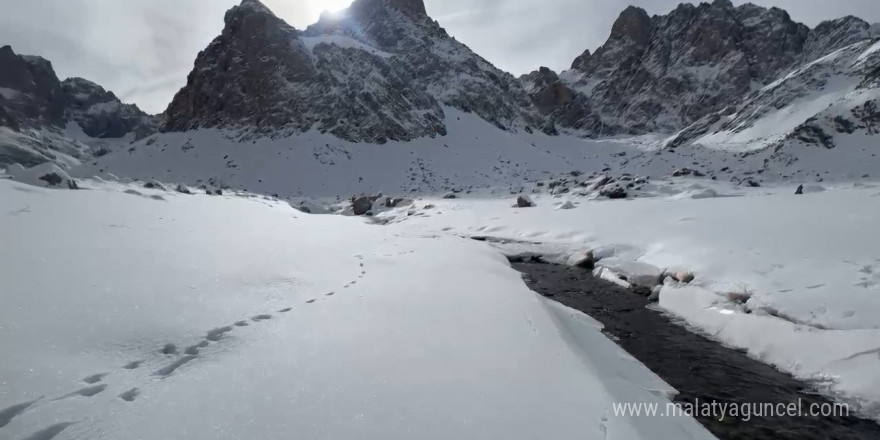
793, 279
131, 313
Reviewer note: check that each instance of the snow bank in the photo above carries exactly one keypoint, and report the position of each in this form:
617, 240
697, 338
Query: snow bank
807, 264
31, 176
225, 317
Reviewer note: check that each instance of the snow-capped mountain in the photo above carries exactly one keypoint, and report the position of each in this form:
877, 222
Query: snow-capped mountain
38, 111
662, 73
710, 87
381, 70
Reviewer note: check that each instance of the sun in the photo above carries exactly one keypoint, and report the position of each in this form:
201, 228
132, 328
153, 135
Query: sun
303, 13
332, 6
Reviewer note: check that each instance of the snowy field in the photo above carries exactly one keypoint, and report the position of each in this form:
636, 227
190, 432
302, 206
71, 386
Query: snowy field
131, 313
793, 279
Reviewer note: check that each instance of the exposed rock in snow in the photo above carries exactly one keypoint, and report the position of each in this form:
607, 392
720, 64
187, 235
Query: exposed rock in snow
524, 202
362, 205
101, 114
47, 174
614, 190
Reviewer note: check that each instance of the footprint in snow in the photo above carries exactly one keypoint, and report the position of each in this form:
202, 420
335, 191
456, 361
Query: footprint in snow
285, 310
241, 324
6, 415
259, 318
194, 349
169, 349
216, 334
331, 294
311, 301
171, 368
133, 365
50, 432
85, 392
130, 395
95, 378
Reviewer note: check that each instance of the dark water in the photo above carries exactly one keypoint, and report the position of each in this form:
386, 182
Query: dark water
700, 369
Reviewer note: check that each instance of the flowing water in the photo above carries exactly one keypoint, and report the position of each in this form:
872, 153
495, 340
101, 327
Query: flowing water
701, 370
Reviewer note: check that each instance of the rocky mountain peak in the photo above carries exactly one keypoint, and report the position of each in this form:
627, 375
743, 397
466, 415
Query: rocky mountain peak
633, 23
32, 93
380, 70
412, 8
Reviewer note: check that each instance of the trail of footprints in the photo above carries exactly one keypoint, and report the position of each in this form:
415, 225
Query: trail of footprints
188, 355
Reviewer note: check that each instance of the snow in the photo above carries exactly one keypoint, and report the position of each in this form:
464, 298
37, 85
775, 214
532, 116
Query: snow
7, 93
788, 272
863, 58
131, 312
104, 107
342, 41
31, 176
774, 126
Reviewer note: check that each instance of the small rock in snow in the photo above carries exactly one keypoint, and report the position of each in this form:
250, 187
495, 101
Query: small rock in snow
524, 202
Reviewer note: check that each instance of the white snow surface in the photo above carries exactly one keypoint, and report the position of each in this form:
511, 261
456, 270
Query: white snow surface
119, 319
793, 279
342, 41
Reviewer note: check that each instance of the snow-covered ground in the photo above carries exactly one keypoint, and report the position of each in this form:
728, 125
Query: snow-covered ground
475, 154
793, 279
131, 313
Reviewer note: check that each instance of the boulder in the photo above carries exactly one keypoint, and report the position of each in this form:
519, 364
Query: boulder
361, 205
585, 259
52, 179
524, 202
613, 191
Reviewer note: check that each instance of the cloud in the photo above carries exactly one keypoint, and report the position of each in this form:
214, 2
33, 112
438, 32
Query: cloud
142, 49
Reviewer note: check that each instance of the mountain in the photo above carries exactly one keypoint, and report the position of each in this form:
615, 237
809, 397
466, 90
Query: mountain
663, 73
381, 70
737, 93
36, 109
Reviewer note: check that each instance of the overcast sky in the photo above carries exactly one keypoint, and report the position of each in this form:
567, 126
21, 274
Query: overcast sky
143, 49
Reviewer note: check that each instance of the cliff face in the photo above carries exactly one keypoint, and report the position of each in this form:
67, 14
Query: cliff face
663, 73
381, 70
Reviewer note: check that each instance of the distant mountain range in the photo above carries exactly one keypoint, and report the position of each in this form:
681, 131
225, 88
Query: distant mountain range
741, 78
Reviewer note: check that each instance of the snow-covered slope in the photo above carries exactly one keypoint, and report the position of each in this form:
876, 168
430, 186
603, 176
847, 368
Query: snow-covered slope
662, 73
132, 313
824, 112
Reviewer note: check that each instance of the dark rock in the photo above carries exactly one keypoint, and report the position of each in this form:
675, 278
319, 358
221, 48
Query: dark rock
52, 179
613, 191
524, 202
183, 190
361, 205
260, 75
800, 190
